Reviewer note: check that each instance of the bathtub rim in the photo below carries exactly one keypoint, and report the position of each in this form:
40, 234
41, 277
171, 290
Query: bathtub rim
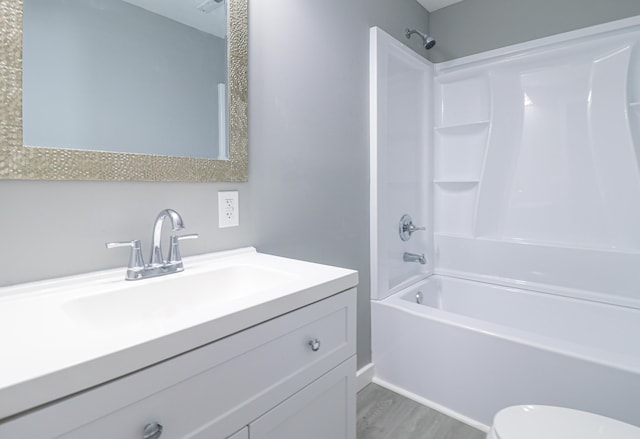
536, 287
396, 301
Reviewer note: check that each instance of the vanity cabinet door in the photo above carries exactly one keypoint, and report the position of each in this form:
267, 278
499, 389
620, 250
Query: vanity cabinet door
325, 409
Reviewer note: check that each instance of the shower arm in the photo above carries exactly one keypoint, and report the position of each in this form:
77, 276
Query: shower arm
408, 32
427, 41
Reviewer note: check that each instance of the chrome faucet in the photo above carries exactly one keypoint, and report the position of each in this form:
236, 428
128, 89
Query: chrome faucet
412, 257
157, 265
156, 247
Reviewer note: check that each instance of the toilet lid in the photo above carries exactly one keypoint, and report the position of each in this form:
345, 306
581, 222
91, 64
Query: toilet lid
546, 422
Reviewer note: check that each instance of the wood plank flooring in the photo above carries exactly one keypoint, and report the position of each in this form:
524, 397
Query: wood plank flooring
383, 414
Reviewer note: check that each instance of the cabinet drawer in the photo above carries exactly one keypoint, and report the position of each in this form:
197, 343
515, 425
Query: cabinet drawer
211, 391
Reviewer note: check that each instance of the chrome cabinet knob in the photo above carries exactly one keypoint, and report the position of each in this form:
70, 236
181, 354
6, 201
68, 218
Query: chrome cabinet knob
152, 431
315, 344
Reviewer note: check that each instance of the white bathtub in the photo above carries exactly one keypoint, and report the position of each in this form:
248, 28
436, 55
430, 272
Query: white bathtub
471, 349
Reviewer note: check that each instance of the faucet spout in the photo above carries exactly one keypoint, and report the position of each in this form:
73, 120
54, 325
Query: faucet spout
156, 245
412, 257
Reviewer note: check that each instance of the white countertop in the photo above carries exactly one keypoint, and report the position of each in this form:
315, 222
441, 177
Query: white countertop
51, 349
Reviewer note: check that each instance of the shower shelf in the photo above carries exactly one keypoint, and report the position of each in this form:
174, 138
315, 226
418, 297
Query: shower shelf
635, 105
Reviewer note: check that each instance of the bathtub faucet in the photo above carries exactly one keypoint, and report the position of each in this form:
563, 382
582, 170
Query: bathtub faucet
412, 257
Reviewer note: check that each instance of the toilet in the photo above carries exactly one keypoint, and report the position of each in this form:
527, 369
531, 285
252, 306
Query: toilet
546, 422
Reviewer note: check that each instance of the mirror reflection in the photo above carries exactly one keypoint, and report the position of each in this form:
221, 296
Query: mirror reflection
137, 76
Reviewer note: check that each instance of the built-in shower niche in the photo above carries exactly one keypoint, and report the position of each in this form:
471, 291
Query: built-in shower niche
458, 158
463, 111
455, 207
462, 99
459, 152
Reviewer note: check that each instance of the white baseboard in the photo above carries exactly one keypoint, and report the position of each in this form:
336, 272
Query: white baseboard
364, 376
435, 406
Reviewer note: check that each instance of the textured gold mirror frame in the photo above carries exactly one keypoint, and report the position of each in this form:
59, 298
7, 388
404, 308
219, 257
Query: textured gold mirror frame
31, 163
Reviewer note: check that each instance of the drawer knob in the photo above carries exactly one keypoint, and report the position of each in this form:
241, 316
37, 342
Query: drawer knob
152, 431
315, 344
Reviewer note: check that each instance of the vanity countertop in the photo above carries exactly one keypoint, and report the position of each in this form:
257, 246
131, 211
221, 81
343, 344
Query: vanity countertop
65, 335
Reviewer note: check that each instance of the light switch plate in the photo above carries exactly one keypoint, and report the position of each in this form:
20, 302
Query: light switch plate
228, 209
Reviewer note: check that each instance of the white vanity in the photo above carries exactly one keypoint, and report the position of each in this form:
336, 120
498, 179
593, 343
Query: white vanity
239, 345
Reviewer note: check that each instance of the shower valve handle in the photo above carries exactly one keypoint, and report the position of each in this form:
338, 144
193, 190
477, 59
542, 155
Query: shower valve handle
411, 228
406, 227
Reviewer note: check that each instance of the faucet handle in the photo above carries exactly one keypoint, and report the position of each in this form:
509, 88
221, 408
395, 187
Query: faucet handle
407, 228
136, 261
174, 248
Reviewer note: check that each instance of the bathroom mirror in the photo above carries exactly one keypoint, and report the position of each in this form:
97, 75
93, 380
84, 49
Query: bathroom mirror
171, 121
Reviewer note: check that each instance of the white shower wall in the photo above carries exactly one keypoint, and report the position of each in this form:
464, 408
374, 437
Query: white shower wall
401, 89
536, 164
531, 160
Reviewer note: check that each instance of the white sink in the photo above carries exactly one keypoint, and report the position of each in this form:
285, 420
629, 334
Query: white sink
164, 299
65, 335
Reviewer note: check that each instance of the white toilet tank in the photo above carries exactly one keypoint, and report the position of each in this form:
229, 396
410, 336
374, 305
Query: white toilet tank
539, 421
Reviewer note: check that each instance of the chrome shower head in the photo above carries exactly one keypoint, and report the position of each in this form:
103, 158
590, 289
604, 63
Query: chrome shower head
427, 41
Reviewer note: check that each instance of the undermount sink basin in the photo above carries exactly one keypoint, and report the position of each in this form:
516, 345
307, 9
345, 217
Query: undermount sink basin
161, 300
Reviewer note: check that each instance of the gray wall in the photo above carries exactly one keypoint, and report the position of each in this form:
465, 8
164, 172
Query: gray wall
99, 54
474, 26
308, 189
309, 119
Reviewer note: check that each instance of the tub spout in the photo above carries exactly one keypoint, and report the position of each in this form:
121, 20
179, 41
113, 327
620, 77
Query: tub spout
412, 257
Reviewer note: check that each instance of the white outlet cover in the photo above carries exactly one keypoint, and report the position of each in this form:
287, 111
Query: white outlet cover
228, 209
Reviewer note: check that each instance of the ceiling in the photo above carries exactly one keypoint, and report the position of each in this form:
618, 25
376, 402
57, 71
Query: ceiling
432, 5
187, 12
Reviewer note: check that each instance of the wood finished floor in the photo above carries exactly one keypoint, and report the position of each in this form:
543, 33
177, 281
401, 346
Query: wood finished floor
383, 414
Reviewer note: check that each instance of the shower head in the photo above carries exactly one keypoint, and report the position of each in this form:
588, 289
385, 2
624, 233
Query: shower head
427, 41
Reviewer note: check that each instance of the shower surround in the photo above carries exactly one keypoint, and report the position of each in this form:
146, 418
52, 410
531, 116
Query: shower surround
536, 165
526, 170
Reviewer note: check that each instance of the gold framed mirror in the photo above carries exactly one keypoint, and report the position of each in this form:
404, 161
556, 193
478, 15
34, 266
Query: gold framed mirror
18, 161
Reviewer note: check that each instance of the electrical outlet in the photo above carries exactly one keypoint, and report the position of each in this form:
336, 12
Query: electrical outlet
228, 209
